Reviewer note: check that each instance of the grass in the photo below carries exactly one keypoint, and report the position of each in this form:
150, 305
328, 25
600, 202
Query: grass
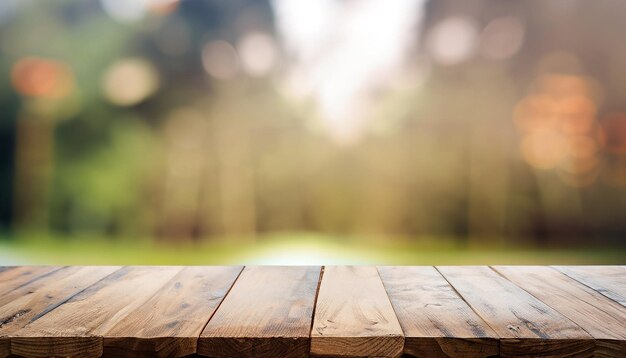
288, 249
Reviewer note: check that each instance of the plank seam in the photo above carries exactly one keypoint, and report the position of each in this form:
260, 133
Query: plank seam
37, 278
472, 308
537, 298
157, 292
382, 282
591, 288
317, 293
219, 305
583, 283
50, 309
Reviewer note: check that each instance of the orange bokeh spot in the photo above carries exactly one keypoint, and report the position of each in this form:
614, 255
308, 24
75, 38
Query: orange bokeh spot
582, 147
559, 128
535, 112
579, 166
164, 7
38, 77
544, 149
559, 85
577, 114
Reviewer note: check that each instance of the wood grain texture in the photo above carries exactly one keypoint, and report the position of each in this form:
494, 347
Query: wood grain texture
526, 326
601, 317
273, 311
27, 302
169, 323
267, 313
353, 315
17, 277
435, 320
608, 280
75, 328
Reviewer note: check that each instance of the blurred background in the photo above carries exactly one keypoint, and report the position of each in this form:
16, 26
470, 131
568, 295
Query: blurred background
328, 131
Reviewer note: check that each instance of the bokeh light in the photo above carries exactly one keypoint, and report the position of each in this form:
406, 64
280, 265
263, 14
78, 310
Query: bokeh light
258, 53
544, 149
502, 38
558, 120
127, 11
445, 125
39, 77
453, 40
220, 60
130, 81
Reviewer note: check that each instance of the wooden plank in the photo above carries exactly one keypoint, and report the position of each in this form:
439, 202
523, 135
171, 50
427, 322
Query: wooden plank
526, 326
75, 328
55, 283
11, 280
168, 325
601, 317
353, 315
267, 313
25, 303
435, 320
608, 280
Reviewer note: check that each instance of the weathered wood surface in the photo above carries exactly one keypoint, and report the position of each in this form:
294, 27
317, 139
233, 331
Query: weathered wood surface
608, 280
16, 277
601, 317
267, 313
169, 323
435, 319
339, 311
353, 315
526, 326
76, 327
36, 297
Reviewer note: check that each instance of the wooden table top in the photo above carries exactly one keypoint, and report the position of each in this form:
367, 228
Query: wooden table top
301, 311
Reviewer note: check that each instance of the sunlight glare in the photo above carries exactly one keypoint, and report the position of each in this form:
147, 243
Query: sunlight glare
343, 51
309, 252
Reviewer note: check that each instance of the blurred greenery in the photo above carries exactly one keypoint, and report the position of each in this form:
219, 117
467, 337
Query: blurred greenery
201, 131
289, 249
